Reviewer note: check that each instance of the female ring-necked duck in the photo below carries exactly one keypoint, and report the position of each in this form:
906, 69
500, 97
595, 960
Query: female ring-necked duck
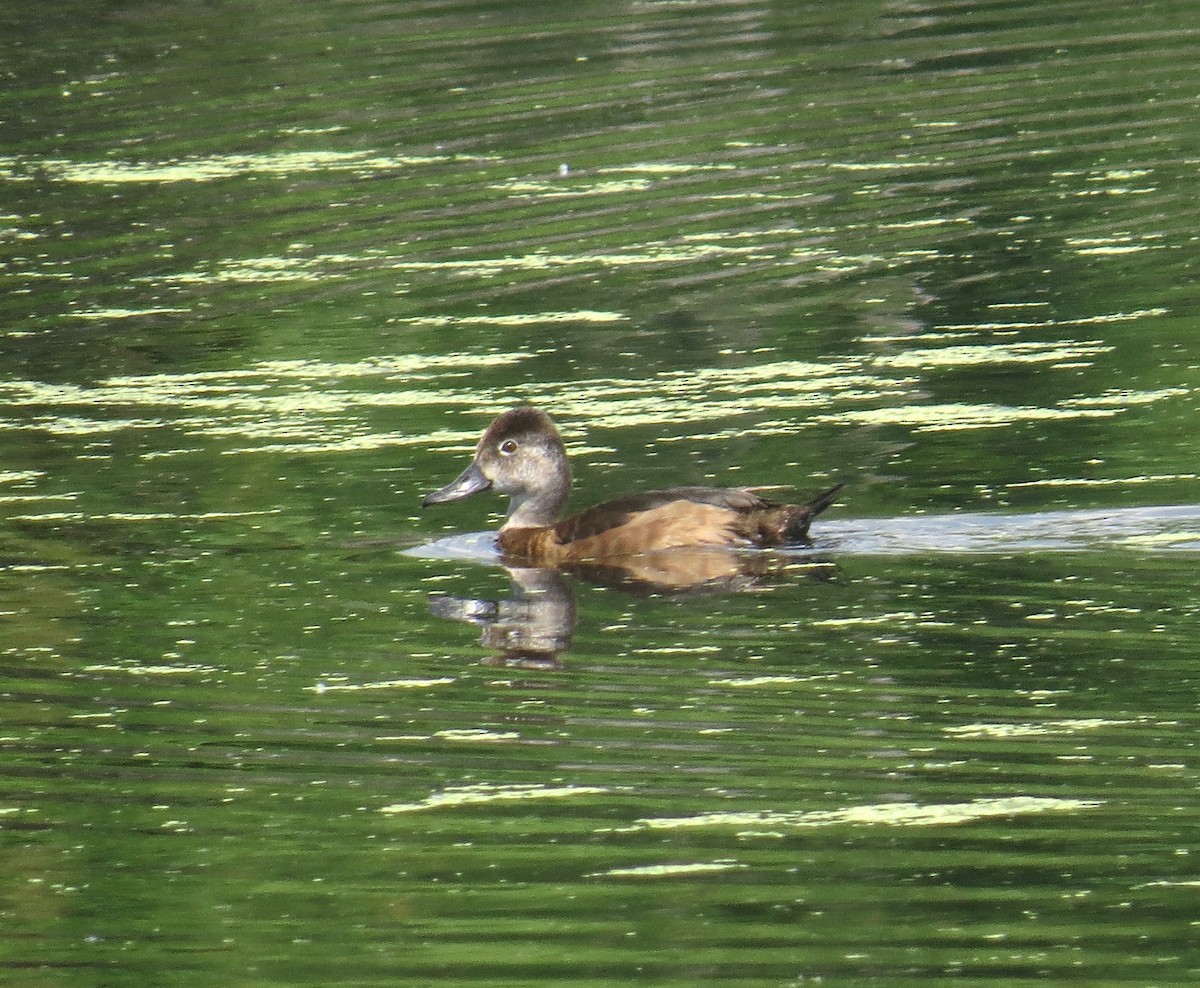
521, 454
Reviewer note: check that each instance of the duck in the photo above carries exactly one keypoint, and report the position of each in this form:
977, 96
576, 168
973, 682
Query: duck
521, 455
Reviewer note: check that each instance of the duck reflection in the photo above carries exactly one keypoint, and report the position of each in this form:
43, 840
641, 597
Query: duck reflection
529, 630
532, 629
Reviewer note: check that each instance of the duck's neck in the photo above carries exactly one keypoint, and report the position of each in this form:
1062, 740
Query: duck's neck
535, 509
538, 504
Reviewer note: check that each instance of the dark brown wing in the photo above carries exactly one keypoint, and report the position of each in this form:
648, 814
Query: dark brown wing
614, 514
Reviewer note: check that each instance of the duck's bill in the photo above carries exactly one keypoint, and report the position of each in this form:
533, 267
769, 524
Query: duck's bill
470, 481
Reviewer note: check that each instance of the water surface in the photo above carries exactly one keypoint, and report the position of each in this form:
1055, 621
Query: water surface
267, 272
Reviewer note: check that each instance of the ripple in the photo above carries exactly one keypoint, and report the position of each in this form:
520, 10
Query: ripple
669, 870
955, 416
479, 794
1034, 729
135, 669
879, 814
387, 684
209, 168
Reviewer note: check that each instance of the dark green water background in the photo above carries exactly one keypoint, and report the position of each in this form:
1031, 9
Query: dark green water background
267, 268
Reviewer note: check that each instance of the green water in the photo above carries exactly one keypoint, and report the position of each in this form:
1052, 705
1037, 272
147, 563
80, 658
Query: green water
268, 269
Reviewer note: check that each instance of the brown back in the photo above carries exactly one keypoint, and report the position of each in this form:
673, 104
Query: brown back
675, 518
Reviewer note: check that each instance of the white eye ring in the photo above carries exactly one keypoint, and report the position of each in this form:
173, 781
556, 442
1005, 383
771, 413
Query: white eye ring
508, 447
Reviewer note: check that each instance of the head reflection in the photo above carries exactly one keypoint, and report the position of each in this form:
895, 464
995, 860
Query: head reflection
528, 630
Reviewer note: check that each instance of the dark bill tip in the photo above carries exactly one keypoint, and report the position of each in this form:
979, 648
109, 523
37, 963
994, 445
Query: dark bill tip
470, 481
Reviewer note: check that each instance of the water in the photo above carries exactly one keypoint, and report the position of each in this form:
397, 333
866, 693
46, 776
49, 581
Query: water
267, 272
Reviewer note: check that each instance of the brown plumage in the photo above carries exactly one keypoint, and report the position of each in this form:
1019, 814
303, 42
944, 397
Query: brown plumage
521, 454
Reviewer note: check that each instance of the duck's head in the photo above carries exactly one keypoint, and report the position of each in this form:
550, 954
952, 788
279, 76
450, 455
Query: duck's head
521, 454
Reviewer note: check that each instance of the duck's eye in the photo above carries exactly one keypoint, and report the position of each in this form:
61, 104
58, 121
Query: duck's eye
508, 447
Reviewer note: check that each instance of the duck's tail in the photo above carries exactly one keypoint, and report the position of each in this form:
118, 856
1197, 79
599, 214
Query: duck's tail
788, 523
822, 501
